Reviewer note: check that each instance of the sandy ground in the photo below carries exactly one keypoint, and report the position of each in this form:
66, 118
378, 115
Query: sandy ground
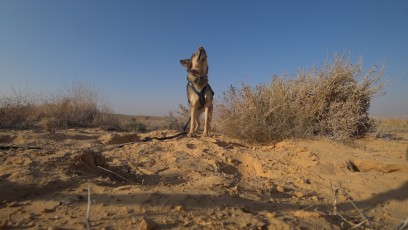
199, 183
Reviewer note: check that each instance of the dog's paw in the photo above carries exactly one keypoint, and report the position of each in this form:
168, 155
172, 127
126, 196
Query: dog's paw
207, 134
191, 134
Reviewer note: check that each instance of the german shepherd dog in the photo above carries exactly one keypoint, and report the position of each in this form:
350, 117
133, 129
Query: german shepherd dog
199, 92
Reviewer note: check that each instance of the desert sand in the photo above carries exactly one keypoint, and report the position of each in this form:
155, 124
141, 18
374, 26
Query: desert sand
199, 183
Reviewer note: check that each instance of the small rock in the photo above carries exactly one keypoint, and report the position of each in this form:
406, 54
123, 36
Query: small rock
299, 194
315, 198
342, 197
108, 214
129, 210
280, 189
133, 220
305, 214
178, 208
146, 224
48, 210
13, 204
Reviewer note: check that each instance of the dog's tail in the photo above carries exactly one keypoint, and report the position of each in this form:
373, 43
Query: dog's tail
185, 126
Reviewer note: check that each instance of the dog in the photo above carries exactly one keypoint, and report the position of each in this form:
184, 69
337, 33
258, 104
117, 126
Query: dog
199, 92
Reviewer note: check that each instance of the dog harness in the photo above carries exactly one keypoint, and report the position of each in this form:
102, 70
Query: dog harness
200, 94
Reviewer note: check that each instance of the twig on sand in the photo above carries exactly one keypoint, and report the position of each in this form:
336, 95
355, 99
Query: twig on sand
358, 210
7, 147
88, 211
336, 192
404, 225
121, 177
358, 225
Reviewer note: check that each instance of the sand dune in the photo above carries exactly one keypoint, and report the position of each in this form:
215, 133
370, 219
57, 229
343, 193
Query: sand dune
198, 183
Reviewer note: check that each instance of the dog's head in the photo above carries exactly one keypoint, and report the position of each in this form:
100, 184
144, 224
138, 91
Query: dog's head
197, 63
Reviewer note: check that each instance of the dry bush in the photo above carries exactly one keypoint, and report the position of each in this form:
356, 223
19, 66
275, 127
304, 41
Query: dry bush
16, 111
75, 106
106, 119
389, 129
178, 120
134, 125
332, 101
78, 105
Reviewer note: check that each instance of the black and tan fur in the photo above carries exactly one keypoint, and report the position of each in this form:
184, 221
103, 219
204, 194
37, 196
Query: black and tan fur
199, 93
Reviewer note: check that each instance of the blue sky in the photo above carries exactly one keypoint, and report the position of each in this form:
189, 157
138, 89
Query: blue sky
130, 50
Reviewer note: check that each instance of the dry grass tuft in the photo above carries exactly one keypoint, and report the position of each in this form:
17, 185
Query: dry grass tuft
134, 125
178, 121
17, 110
78, 105
331, 101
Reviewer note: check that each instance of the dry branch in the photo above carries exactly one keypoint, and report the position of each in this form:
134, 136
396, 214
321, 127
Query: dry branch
336, 192
404, 225
121, 177
88, 211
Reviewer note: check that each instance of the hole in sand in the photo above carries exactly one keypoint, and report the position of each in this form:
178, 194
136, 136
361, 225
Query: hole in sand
351, 166
191, 146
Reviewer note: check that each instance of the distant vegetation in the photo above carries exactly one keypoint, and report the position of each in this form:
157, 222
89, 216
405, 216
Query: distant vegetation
331, 101
78, 105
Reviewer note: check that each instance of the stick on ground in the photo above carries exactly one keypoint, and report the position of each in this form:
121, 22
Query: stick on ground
88, 211
121, 177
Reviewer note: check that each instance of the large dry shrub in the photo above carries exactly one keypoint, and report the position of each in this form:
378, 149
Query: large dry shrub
331, 101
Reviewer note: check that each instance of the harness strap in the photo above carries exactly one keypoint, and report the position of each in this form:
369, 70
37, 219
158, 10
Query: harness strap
200, 94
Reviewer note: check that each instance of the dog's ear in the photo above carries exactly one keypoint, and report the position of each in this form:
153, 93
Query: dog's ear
186, 63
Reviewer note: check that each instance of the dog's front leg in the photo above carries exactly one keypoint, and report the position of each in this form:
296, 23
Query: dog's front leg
193, 122
207, 119
197, 121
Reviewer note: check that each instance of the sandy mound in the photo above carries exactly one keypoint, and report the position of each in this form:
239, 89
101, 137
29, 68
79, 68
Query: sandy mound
142, 181
118, 138
89, 160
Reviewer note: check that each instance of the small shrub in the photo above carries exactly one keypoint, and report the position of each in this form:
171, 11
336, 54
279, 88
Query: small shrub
331, 101
178, 121
78, 105
16, 110
106, 119
75, 106
133, 125
389, 129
